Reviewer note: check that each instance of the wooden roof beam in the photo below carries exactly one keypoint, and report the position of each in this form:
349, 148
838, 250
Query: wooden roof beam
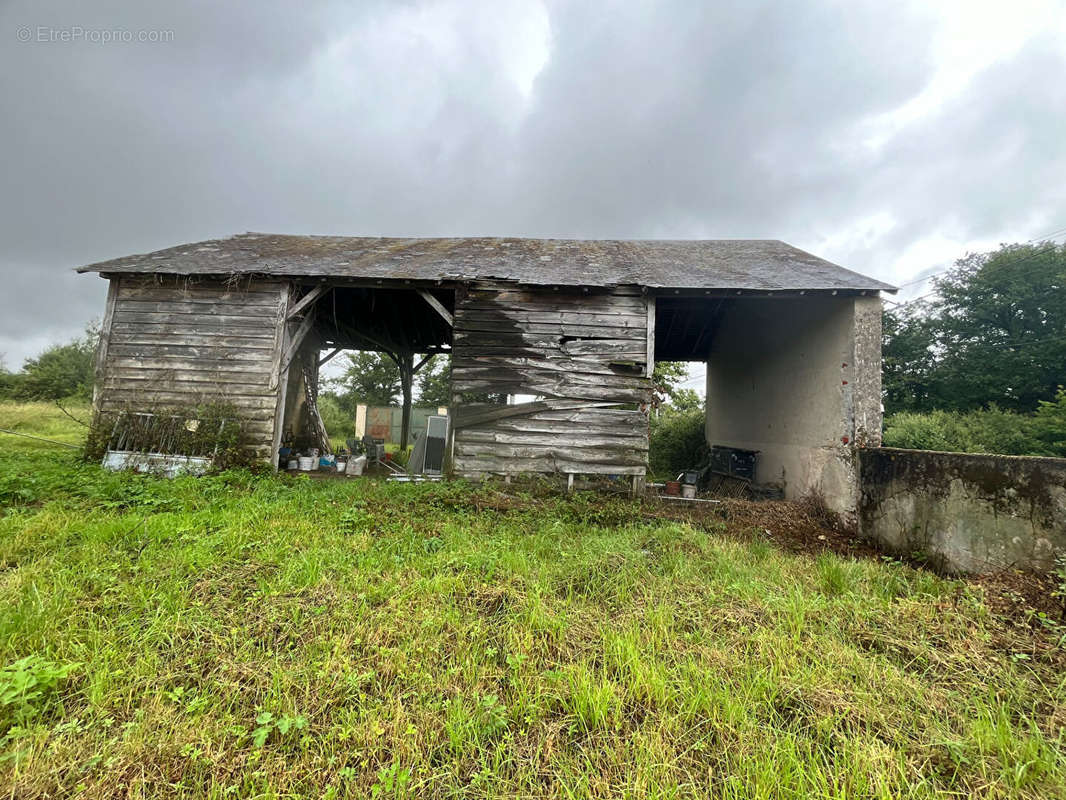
438, 306
309, 298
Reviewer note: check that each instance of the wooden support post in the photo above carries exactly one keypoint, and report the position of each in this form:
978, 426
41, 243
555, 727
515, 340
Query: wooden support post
100, 363
650, 303
638, 486
279, 379
407, 372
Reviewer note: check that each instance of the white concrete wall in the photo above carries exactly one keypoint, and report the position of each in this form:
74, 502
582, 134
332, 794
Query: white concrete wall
789, 377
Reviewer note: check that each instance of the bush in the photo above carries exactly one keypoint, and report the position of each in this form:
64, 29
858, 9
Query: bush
915, 431
990, 430
678, 441
339, 423
63, 370
8, 383
1049, 424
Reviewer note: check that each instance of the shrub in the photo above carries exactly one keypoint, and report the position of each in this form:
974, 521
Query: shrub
990, 430
678, 441
915, 431
1049, 424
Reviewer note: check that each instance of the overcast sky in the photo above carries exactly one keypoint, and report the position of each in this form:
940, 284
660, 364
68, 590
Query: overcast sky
887, 137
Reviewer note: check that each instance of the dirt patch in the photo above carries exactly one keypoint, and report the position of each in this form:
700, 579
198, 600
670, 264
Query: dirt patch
797, 527
1016, 594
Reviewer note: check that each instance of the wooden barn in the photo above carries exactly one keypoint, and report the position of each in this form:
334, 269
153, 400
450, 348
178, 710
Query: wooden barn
571, 328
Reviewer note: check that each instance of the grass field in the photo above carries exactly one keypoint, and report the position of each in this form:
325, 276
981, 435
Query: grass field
243, 636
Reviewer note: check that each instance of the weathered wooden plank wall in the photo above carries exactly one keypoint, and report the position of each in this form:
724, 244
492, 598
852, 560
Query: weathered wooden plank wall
177, 343
581, 354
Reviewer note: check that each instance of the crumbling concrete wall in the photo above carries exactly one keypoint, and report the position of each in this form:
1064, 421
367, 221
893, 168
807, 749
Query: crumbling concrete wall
969, 513
799, 380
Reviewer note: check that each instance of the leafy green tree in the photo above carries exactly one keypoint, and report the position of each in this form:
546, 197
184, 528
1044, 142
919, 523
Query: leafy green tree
1002, 327
686, 400
370, 378
991, 430
62, 370
667, 377
8, 380
995, 333
435, 382
908, 367
340, 424
677, 441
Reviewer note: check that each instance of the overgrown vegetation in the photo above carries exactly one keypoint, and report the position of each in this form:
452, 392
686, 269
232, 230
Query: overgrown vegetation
677, 441
990, 430
677, 438
339, 423
60, 371
211, 430
239, 636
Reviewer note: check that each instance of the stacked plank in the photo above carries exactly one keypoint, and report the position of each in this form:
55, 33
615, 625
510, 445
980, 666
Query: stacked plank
580, 355
176, 344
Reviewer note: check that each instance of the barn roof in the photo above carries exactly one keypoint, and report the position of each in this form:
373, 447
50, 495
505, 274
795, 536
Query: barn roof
751, 264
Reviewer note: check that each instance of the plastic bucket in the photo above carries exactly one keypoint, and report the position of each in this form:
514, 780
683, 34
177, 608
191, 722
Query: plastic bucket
292, 463
307, 463
688, 490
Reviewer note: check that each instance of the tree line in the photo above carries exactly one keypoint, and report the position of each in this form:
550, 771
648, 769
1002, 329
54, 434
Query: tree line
979, 363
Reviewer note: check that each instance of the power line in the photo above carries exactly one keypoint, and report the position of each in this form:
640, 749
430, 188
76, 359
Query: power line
1021, 259
1046, 239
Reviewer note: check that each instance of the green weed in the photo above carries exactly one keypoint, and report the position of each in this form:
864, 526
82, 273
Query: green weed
241, 635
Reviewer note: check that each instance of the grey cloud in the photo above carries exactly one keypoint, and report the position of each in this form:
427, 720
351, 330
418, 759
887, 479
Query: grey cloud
647, 119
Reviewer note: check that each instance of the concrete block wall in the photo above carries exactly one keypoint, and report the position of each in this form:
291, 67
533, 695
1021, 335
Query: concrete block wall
968, 513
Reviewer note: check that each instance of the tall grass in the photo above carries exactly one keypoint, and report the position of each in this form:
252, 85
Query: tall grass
243, 636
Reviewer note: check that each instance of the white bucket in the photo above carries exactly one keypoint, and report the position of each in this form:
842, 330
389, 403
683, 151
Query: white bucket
341, 464
688, 490
292, 463
307, 463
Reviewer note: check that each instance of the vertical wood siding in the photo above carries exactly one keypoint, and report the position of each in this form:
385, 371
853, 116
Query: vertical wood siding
176, 343
581, 355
